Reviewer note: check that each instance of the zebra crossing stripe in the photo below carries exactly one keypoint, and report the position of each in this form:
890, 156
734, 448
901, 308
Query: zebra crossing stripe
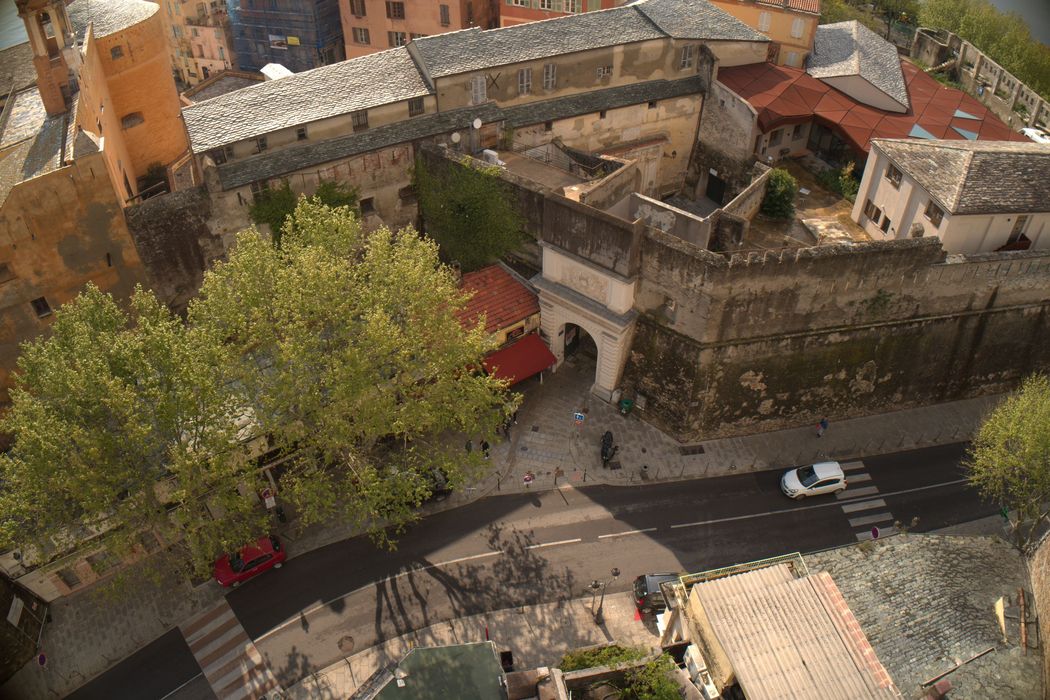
871, 519
864, 505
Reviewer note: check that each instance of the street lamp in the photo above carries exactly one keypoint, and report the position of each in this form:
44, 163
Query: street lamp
599, 617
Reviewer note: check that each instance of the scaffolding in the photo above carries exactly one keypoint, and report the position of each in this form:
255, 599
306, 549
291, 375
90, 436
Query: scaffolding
297, 34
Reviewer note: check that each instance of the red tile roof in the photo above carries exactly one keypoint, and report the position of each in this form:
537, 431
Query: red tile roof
811, 6
499, 295
783, 95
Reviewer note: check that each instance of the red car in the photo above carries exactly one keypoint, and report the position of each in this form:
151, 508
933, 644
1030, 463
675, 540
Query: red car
266, 553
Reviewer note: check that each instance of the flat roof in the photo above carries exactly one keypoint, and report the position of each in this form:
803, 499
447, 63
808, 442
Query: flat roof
440, 673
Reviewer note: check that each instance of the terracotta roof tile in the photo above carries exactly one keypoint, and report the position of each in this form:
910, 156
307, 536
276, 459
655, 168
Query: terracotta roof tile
498, 295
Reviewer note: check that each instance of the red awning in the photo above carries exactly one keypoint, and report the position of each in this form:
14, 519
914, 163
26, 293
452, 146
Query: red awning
521, 360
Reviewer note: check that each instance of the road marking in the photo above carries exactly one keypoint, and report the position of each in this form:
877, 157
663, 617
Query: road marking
552, 544
857, 478
852, 466
883, 532
818, 505
628, 532
182, 686
863, 505
871, 519
853, 493
415, 569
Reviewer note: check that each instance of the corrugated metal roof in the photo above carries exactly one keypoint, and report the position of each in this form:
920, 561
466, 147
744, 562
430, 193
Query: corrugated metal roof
791, 638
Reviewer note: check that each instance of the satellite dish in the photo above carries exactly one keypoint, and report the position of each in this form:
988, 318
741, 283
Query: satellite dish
477, 123
455, 137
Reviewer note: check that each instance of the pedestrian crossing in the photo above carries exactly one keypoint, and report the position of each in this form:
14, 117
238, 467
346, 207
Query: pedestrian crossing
865, 514
232, 665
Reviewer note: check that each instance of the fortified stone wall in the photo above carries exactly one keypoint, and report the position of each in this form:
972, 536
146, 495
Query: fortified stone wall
725, 141
1039, 570
175, 244
782, 338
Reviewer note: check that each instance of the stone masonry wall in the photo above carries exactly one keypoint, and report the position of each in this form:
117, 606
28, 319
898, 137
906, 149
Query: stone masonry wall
783, 338
1039, 572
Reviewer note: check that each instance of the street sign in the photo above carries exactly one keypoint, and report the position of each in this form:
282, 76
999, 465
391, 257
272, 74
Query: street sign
528, 478
268, 498
42, 659
578, 417
874, 532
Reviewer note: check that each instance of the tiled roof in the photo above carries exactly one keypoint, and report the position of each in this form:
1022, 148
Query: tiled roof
696, 19
851, 49
368, 81
108, 16
783, 95
273, 164
810, 6
38, 153
16, 68
977, 177
220, 84
499, 295
789, 637
473, 49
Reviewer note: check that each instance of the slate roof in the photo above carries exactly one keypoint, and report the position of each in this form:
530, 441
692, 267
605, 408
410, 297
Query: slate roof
328, 91
296, 157
503, 298
16, 68
851, 49
37, 153
977, 177
696, 19
473, 49
108, 16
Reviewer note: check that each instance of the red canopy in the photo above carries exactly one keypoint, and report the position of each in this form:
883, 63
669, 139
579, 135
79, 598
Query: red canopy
521, 360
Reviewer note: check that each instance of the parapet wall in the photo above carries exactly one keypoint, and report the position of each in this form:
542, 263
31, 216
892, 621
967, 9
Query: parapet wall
781, 338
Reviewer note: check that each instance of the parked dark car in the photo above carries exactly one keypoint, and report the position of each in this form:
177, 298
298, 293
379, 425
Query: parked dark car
648, 597
252, 560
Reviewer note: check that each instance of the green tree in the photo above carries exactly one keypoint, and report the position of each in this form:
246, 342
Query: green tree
467, 210
360, 368
122, 426
653, 681
779, 201
273, 207
1009, 461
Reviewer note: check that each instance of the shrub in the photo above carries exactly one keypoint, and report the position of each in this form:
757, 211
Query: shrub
653, 681
779, 202
841, 182
602, 656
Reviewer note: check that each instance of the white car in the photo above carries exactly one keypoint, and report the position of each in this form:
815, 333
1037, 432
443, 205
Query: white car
1037, 135
822, 477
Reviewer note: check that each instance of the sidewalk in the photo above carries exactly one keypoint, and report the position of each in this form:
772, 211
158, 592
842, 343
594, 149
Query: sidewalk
538, 635
91, 632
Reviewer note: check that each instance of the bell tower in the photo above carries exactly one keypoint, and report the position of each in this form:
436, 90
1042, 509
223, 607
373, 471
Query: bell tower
50, 32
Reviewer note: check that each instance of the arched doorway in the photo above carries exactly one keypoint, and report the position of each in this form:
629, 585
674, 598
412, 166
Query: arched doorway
579, 345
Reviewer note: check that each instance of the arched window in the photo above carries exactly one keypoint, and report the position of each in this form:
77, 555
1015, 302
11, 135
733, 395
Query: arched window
130, 120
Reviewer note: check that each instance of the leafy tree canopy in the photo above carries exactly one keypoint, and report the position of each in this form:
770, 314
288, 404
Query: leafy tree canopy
467, 210
273, 207
779, 202
1010, 458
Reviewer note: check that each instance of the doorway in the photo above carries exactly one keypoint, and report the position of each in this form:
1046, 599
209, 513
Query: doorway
716, 189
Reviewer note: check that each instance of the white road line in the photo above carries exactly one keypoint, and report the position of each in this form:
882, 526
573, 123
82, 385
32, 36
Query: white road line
182, 686
552, 544
819, 505
858, 478
853, 493
883, 532
413, 570
863, 505
871, 519
852, 466
628, 532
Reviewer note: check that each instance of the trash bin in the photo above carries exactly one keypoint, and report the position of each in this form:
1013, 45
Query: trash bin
626, 405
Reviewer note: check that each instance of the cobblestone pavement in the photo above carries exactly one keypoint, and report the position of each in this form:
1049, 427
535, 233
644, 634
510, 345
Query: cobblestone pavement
91, 632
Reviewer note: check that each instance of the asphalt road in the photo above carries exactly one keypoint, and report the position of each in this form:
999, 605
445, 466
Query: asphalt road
522, 549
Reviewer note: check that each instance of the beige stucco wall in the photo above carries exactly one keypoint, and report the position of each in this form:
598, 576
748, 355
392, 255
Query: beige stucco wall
738, 53
780, 24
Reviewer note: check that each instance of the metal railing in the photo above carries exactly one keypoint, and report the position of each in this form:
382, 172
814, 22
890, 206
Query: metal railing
795, 561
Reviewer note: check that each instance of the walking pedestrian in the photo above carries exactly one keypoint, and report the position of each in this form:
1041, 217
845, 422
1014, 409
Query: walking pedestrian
514, 417
485, 448
822, 426
470, 446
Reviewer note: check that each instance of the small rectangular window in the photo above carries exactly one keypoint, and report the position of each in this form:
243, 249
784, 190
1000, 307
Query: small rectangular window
260, 144
894, 176
774, 138
218, 155
687, 57
546, 4
885, 224
797, 26
395, 10
764, 21
300, 134
5, 273
792, 59
416, 106
550, 76
601, 114
445, 21
407, 194
934, 213
360, 35
524, 81
603, 72
368, 206
359, 119
40, 307
652, 105
548, 126
116, 52
396, 38
357, 8
796, 133
478, 89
